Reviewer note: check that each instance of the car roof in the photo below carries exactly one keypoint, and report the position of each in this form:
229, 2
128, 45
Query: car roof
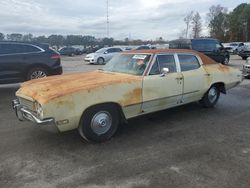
41, 45
204, 39
205, 59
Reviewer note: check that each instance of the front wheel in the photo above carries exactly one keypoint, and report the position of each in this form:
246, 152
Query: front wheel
99, 123
226, 60
211, 97
100, 61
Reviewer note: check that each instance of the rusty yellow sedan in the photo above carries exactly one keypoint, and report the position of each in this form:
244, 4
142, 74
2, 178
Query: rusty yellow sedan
133, 83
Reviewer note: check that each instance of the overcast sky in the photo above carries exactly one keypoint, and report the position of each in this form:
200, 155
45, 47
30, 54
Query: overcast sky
144, 19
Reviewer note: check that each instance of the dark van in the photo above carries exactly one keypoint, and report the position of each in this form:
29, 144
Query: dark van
209, 46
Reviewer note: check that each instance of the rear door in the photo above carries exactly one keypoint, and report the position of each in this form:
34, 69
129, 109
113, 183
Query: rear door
195, 78
162, 91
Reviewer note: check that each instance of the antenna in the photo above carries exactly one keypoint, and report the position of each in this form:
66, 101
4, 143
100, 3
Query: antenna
108, 18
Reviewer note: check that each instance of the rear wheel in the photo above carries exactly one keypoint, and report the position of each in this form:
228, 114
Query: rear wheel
99, 123
244, 58
211, 97
35, 73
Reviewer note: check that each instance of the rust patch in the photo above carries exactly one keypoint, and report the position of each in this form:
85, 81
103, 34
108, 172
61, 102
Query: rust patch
223, 68
46, 89
133, 97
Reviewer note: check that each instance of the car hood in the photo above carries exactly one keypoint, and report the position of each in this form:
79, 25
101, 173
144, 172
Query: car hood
90, 55
46, 89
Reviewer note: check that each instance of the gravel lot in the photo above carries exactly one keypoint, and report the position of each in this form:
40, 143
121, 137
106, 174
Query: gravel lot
187, 146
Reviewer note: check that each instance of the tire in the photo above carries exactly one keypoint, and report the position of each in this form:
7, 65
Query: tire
99, 123
35, 73
244, 58
100, 61
226, 60
211, 97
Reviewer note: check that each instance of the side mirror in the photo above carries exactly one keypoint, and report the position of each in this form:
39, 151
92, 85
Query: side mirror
105, 52
164, 71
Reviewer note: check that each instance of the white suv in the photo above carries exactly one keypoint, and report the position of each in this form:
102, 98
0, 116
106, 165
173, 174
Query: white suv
102, 56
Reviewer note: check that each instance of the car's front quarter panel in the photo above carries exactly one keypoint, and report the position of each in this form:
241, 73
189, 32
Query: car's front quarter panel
67, 110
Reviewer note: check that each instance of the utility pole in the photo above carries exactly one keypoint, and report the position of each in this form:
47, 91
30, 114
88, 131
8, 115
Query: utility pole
108, 18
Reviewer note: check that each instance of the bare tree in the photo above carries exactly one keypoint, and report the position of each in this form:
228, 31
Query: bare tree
188, 20
196, 25
2, 36
182, 34
214, 11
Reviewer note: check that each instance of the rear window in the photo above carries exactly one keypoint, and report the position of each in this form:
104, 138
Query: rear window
204, 45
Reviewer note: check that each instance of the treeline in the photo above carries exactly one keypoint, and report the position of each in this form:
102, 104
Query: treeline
232, 26
223, 25
60, 40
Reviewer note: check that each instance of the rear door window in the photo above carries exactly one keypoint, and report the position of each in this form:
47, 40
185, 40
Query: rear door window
188, 62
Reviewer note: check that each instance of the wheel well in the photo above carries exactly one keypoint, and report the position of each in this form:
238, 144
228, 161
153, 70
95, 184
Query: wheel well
35, 66
221, 87
101, 58
117, 106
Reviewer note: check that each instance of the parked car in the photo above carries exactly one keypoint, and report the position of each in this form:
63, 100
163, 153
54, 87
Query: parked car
236, 46
246, 68
210, 47
102, 56
69, 51
133, 83
245, 52
233, 47
21, 61
143, 47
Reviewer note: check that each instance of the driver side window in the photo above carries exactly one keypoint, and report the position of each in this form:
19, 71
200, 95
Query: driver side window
163, 61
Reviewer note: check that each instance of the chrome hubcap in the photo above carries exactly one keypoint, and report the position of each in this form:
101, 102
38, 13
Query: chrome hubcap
101, 122
37, 74
212, 94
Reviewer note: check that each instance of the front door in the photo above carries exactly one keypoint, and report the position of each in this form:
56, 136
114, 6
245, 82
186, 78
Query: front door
161, 91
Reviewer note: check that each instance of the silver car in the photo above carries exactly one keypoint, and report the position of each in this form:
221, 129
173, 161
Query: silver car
102, 56
246, 68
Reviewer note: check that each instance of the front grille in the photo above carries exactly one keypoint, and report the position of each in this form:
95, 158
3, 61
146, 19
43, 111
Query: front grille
27, 104
247, 67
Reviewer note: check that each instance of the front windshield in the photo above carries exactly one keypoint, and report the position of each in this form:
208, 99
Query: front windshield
233, 44
134, 64
102, 50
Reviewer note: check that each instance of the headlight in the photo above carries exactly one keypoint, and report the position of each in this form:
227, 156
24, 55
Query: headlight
39, 109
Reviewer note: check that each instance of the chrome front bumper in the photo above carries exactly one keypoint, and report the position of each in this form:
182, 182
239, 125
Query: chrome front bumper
23, 113
246, 71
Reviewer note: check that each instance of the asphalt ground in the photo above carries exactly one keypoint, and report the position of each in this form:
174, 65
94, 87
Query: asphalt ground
187, 146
